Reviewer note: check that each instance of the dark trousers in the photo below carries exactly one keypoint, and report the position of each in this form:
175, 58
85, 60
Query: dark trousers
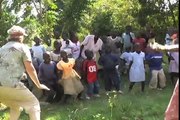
174, 76
93, 88
142, 86
111, 80
55, 93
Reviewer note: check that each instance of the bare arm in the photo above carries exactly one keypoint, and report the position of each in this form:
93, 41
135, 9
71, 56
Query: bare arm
169, 48
33, 75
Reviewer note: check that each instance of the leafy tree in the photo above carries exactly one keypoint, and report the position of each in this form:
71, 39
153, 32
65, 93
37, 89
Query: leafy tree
159, 14
53, 17
6, 21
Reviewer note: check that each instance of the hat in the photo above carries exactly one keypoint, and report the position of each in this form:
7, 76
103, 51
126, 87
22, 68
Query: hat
16, 31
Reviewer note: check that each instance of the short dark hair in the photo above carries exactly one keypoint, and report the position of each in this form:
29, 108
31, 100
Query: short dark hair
37, 38
88, 54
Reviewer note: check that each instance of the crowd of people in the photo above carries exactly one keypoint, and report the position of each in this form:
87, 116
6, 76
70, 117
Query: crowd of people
71, 69
111, 56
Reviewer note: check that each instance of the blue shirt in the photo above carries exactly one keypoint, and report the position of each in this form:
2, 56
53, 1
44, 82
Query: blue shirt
47, 72
108, 61
155, 60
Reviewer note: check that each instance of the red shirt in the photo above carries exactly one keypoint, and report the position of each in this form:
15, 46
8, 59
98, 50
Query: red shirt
142, 43
90, 68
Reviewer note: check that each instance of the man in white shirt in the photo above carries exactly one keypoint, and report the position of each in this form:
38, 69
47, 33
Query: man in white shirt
92, 43
75, 45
38, 49
115, 42
128, 37
67, 45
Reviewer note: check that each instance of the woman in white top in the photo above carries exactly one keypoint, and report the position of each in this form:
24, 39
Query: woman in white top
137, 70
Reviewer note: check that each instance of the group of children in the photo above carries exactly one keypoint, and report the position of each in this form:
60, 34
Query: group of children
67, 76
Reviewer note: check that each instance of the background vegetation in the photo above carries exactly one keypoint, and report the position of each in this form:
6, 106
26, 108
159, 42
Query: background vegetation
50, 18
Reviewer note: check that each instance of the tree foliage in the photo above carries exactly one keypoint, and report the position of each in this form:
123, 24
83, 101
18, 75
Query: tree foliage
44, 18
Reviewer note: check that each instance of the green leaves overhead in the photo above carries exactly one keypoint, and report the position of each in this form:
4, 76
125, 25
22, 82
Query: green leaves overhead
44, 17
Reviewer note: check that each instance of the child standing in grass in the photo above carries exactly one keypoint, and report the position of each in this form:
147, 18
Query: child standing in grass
70, 79
155, 60
109, 63
137, 71
90, 72
48, 76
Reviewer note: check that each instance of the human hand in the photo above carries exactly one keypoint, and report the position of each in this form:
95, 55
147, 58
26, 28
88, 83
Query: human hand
42, 86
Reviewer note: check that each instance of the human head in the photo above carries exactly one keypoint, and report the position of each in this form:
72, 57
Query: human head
89, 54
170, 30
56, 34
128, 49
37, 40
137, 47
104, 39
57, 45
139, 34
96, 35
64, 36
128, 29
176, 38
113, 34
16, 33
46, 57
73, 36
64, 55
152, 37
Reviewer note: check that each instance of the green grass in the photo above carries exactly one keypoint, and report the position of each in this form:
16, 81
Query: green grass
135, 105
150, 105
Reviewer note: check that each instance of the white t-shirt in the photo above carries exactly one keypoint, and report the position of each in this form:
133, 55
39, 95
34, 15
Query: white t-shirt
112, 43
127, 57
68, 48
38, 52
76, 49
55, 57
126, 39
90, 45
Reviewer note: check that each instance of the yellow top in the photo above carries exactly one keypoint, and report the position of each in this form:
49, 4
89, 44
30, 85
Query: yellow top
67, 68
